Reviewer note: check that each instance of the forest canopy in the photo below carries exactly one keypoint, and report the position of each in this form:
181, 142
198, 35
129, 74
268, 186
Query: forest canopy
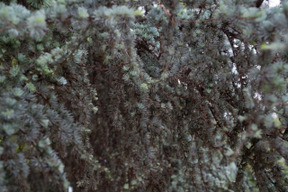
142, 95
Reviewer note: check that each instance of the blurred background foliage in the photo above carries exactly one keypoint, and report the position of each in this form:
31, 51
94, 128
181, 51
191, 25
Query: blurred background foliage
135, 95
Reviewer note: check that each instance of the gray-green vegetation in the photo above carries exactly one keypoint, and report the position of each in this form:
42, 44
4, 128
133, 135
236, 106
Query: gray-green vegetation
142, 95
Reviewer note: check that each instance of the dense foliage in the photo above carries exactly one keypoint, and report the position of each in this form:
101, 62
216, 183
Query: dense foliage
142, 95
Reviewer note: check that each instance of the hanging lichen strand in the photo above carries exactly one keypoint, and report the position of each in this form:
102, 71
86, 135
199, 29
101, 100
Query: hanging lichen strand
143, 95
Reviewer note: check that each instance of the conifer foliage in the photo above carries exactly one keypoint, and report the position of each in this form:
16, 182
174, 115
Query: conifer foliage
142, 95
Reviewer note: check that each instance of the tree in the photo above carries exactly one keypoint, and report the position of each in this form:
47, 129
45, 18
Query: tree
143, 95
